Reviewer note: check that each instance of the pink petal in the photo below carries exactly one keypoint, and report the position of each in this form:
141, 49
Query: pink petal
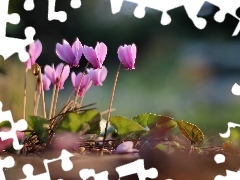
77, 49
121, 55
128, 56
65, 74
50, 73
46, 82
28, 64
59, 69
103, 73
73, 78
59, 51
134, 51
101, 51
78, 80
35, 50
68, 54
90, 55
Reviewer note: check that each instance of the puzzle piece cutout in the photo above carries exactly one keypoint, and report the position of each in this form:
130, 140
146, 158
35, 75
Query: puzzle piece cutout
230, 125
137, 167
20, 125
220, 158
6, 43
52, 14
230, 175
7, 162
192, 8
87, 173
66, 164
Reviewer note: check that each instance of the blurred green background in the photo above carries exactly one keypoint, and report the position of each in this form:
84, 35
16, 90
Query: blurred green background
181, 71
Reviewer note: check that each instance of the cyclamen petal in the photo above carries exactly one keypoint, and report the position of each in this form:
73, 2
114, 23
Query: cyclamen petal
50, 73
85, 84
125, 147
77, 49
34, 51
127, 56
70, 55
97, 75
101, 51
95, 57
45, 82
54, 75
59, 52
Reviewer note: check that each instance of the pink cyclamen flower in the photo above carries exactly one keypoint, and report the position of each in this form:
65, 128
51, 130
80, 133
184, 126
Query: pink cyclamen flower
8, 142
54, 75
46, 83
127, 56
97, 56
97, 75
70, 55
34, 51
125, 147
85, 84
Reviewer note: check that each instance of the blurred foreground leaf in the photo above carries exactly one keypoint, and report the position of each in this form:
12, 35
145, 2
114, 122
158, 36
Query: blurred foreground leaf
191, 132
87, 122
229, 146
161, 147
125, 126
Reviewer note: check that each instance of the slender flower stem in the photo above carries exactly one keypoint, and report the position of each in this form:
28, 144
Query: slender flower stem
80, 104
69, 96
42, 91
38, 97
35, 100
109, 109
51, 107
25, 94
57, 91
76, 96
81, 100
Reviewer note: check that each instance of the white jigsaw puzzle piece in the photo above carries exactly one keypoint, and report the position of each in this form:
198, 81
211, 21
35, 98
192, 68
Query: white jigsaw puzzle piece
137, 167
192, 8
66, 164
7, 162
8, 45
20, 125
87, 173
230, 175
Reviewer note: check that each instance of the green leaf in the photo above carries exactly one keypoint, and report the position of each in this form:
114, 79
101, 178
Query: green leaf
5, 124
125, 126
40, 126
153, 120
191, 132
88, 122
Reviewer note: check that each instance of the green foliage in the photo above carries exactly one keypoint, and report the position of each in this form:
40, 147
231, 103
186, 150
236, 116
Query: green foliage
87, 122
161, 147
5, 124
191, 132
153, 120
40, 126
125, 126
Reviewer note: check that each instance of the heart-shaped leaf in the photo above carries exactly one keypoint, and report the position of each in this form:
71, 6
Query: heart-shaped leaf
153, 120
125, 126
191, 132
40, 126
87, 122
